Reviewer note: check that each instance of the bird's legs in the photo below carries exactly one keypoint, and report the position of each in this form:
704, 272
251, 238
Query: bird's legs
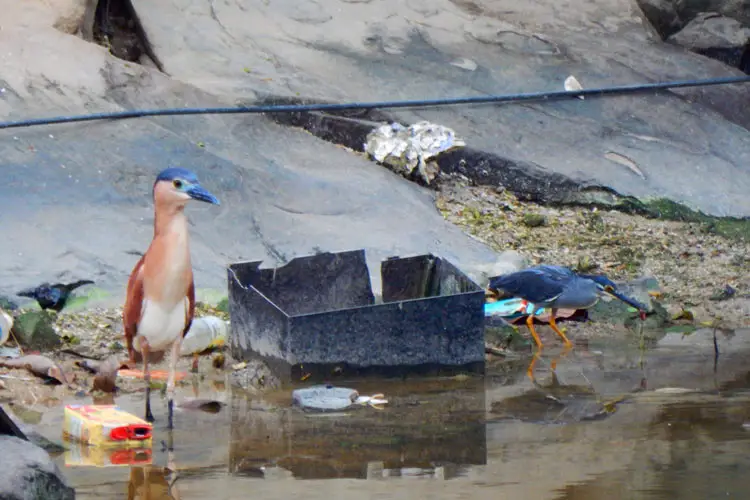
530, 324
554, 327
147, 379
194, 368
171, 380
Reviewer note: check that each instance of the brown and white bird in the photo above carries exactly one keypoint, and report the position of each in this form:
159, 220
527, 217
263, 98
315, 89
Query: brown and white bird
160, 300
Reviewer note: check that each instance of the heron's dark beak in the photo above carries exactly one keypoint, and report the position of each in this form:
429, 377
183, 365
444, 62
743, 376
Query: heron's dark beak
627, 300
198, 192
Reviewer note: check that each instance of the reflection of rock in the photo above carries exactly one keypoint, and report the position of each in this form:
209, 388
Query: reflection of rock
555, 403
28, 472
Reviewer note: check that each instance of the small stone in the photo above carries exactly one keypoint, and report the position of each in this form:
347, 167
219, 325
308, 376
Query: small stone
534, 220
723, 294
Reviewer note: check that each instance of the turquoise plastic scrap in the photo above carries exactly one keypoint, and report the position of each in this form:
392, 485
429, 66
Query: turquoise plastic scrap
510, 308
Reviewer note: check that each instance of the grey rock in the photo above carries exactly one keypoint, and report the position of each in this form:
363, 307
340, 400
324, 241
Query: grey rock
711, 30
35, 330
388, 49
28, 473
283, 192
716, 36
736, 9
662, 15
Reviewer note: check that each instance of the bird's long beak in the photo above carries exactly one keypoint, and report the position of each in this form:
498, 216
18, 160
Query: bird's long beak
198, 192
627, 300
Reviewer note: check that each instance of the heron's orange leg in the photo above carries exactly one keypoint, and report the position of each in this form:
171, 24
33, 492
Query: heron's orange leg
194, 368
530, 324
554, 327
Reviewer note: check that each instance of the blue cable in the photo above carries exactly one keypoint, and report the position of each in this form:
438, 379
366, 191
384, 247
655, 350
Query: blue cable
297, 108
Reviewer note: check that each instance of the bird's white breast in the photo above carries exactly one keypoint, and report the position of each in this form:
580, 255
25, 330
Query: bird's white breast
160, 325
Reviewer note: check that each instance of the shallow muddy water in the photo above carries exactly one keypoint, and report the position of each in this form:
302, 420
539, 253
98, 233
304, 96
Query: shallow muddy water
613, 424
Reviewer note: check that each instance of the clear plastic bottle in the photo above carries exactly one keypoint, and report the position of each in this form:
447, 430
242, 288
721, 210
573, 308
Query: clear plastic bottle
6, 323
205, 332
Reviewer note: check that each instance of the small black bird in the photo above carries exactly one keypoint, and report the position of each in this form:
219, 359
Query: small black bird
53, 296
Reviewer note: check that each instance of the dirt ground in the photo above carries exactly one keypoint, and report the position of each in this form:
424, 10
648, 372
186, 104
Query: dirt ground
692, 265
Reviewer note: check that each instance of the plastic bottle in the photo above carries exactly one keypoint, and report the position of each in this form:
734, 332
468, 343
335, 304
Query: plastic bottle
205, 332
6, 323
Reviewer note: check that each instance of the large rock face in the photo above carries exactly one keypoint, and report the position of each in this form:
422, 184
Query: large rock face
75, 201
28, 473
386, 49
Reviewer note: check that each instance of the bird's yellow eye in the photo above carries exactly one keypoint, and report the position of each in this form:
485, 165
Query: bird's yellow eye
177, 183
609, 288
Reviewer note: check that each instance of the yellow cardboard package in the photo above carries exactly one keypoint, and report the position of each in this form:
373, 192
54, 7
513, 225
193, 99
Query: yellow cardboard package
105, 426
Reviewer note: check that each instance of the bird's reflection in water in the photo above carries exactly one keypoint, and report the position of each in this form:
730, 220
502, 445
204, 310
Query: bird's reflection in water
553, 364
150, 482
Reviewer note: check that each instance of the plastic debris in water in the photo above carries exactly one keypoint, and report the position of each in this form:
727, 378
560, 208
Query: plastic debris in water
572, 84
330, 398
406, 149
324, 398
376, 401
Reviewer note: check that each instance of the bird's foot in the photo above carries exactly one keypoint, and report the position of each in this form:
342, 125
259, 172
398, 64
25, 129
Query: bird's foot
168, 445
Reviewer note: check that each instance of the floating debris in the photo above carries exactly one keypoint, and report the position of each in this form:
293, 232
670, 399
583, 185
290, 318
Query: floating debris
406, 149
324, 398
206, 405
328, 398
376, 401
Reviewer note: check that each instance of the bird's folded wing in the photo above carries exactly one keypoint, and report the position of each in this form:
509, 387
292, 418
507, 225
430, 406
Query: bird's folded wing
534, 285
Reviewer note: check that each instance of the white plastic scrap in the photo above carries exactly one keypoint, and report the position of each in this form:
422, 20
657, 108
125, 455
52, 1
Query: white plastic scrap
571, 83
376, 401
412, 147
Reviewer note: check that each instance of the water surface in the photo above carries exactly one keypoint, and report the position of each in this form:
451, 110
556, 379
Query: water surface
612, 423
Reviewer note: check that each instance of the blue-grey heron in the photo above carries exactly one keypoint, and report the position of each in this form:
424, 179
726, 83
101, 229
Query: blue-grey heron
557, 287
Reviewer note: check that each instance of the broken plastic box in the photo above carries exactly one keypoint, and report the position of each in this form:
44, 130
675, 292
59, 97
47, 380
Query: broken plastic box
320, 310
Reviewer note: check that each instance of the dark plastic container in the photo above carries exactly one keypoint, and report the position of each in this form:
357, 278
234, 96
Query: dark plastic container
317, 316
